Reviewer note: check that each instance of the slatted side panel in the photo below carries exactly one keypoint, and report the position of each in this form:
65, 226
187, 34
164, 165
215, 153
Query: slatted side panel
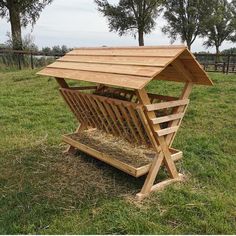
116, 117
166, 114
130, 95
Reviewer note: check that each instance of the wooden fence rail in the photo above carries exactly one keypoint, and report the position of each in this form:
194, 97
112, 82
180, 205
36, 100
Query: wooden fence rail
225, 63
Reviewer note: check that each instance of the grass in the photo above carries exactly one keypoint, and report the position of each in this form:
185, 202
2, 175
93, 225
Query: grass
43, 191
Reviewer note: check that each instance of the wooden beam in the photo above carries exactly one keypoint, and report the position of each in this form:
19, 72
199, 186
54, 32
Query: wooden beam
163, 105
185, 95
160, 186
62, 82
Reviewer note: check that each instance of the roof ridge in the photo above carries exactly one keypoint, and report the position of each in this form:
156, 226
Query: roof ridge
132, 47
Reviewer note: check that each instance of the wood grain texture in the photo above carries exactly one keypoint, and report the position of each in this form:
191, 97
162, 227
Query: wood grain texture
113, 69
130, 67
133, 82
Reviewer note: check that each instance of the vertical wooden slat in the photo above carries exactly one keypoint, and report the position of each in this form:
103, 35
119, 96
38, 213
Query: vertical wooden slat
89, 110
95, 107
105, 115
119, 118
98, 122
71, 102
112, 116
126, 117
74, 101
84, 109
137, 124
80, 108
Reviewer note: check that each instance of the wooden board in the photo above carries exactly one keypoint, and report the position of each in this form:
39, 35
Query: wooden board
102, 156
133, 82
115, 69
138, 52
121, 60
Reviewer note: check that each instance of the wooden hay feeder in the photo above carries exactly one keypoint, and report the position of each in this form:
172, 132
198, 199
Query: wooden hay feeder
120, 123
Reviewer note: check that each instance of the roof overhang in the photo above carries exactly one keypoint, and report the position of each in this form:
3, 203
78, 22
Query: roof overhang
130, 67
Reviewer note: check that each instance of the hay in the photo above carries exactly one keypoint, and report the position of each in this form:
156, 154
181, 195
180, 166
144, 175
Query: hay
116, 147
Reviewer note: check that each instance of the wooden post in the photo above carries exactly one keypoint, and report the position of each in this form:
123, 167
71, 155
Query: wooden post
223, 68
19, 61
228, 61
31, 60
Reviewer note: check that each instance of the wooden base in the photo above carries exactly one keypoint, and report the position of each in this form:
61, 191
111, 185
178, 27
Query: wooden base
160, 186
127, 168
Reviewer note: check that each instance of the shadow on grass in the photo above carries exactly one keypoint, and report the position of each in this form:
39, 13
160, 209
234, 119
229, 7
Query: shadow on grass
39, 182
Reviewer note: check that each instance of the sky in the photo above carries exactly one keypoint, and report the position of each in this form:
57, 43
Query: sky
77, 23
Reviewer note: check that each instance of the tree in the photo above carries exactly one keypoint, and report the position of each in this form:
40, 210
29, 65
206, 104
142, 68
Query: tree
221, 24
20, 13
46, 50
27, 43
229, 51
136, 17
185, 19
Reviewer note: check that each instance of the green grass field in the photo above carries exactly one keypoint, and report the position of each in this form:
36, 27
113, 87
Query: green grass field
43, 191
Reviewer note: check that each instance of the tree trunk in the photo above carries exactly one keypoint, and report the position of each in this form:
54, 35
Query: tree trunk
217, 50
217, 58
189, 45
140, 38
14, 14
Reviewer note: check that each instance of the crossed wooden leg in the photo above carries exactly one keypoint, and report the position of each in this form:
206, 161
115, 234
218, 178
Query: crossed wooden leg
163, 141
149, 185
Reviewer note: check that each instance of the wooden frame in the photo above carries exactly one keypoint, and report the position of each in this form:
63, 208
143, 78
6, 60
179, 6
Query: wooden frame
129, 113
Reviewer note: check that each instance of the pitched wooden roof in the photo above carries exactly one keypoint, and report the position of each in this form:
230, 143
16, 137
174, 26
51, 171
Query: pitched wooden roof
130, 67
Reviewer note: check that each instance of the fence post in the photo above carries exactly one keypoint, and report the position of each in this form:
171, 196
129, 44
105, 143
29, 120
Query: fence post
19, 61
31, 60
223, 68
228, 61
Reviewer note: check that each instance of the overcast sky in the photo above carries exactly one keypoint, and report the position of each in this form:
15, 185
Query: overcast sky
77, 23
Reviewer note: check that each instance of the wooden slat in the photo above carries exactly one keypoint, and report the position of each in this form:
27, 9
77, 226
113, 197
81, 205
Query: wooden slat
71, 106
120, 119
105, 115
78, 108
96, 109
128, 81
136, 122
113, 118
91, 115
167, 118
147, 52
162, 105
121, 60
115, 69
83, 108
96, 118
127, 119
148, 130
180, 46
185, 94
84, 88
166, 131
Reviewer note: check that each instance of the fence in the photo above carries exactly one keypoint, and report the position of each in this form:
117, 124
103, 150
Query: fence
25, 59
225, 63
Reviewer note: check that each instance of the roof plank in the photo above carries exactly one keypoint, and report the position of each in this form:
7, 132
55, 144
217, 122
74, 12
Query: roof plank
134, 82
116, 69
139, 52
118, 60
